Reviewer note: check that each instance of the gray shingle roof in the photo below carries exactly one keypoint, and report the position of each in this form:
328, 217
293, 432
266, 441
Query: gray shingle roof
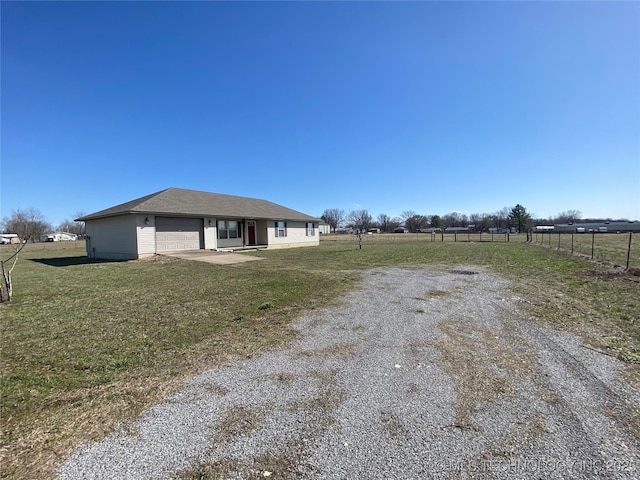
181, 202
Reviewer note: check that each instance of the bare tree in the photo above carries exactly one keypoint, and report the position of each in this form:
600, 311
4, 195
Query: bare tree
360, 220
482, 221
501, 218
76, 227
333, 217
383, 222
28, 225
407, 214
7, 266
455, 219
570, 216
415, 223
386, 223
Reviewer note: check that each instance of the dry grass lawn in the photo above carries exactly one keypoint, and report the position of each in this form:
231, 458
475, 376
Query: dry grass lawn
86, 345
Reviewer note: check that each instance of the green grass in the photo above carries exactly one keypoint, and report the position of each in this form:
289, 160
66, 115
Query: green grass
86, 345
609, 247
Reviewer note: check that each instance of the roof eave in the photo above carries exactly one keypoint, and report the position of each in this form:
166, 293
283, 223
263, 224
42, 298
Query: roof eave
193, 215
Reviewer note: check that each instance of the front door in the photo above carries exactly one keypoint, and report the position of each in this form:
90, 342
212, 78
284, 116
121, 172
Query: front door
251, 233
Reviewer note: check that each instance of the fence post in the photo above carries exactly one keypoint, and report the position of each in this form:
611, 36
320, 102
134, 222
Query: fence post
572, 233
593, 241
558, 240
629, 249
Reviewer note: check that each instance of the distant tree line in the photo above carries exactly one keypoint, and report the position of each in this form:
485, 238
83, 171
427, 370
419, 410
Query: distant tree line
515, 218
30, 224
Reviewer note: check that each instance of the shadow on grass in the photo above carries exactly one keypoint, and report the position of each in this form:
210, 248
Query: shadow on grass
71, 261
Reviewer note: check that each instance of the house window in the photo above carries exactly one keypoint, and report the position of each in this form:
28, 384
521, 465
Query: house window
222, 229
310, 231
228, 229
233, 229
281, 229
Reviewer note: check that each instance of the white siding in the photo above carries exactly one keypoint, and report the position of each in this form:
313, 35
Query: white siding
112, 238
296, 236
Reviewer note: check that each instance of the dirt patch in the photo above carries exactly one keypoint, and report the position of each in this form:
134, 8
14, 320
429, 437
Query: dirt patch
393, 425
474, 383
463, 272
482, 365
338, 349
238, 421
633, 274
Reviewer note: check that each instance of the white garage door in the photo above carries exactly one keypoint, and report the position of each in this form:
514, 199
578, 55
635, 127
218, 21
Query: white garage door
178, 234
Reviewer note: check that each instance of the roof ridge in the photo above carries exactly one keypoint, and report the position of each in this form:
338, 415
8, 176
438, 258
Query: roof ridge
187, 202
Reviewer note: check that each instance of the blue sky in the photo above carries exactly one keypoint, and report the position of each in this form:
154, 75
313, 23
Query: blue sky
388, 106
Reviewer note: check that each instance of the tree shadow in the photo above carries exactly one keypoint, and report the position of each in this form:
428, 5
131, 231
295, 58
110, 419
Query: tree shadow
71, 261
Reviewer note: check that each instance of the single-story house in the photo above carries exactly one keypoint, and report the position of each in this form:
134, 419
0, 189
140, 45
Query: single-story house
178, 219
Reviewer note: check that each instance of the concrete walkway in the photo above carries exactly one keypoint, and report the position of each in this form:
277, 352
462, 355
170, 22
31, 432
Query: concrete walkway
209, 256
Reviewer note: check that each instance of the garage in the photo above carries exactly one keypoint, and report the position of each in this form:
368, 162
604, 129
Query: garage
174, 233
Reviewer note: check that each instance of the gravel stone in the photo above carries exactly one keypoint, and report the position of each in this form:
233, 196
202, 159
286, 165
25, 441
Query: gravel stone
420, 373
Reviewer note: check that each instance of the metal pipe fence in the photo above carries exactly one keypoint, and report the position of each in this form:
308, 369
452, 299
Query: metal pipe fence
622, 249
421, 237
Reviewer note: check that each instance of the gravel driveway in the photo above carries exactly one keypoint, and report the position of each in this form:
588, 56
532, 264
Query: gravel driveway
421, 373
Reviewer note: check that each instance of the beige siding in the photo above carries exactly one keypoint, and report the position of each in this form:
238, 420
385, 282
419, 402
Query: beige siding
296, 236
146, 235
232, 242
262, 231
210, 234
112, 238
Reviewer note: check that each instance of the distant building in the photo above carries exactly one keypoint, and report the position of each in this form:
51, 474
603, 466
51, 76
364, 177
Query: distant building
324, 228
7, 238
59, 237
600, 227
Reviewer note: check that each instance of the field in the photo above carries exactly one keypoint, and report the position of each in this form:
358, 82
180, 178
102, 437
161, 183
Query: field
610, 247
86, 345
